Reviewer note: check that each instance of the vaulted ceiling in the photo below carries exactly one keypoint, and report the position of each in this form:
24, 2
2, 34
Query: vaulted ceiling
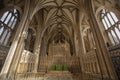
59, 16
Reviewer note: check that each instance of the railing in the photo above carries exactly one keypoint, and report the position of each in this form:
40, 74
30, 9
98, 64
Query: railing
27, 62
92, 73
23, 74
59, 75
53, 75
91, 66
90, 62
29, 76
72, 62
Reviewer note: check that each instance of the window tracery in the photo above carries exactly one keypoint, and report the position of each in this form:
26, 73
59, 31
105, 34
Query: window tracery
8, 22
112, 26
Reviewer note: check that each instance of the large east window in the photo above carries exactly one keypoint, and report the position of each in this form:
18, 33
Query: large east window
112, 26
8, 23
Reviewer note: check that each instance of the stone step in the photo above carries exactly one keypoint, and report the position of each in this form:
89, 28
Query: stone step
52, 75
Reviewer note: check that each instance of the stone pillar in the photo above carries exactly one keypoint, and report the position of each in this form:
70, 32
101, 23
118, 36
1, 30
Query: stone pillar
8, 66
79, 44
37, 43
37, 50
102, 53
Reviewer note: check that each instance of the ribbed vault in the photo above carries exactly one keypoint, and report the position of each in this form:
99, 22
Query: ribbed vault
59, 20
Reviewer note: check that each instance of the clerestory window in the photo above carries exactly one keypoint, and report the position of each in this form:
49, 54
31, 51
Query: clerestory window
8, 23
112, 26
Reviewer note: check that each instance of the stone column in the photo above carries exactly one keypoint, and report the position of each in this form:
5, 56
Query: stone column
102, 53
79, 41
37, 50
79, 50
37, 43
12, 52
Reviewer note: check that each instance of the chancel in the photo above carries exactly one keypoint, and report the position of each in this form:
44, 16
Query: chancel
59, 39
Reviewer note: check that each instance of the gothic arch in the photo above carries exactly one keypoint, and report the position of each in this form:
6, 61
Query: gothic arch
55, 16
10, 7
52, 3
106, 5
62, 26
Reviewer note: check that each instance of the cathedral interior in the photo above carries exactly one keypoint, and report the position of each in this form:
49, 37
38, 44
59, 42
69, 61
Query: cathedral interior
59, 39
